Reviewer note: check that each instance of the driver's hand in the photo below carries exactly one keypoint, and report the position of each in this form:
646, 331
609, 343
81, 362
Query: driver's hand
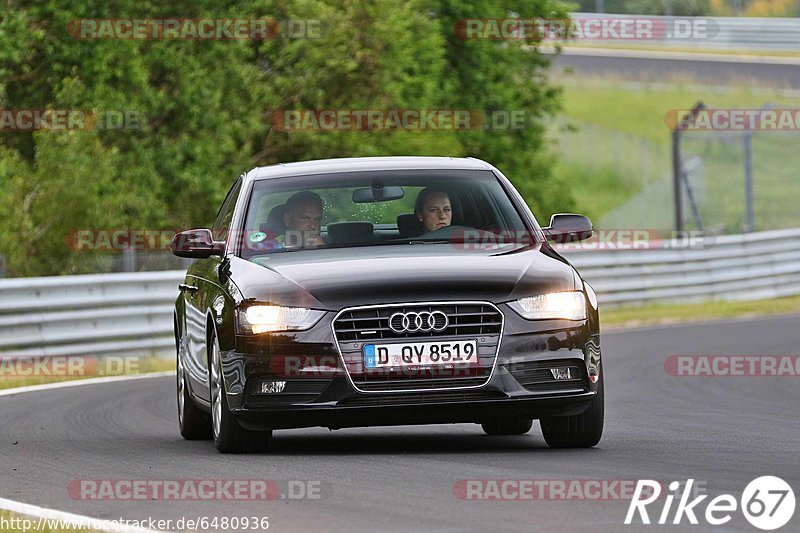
313, 239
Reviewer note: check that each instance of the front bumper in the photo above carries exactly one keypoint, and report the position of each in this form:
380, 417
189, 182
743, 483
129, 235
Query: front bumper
319, 392
438, 412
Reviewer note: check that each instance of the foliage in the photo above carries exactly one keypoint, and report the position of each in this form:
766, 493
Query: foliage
771, 8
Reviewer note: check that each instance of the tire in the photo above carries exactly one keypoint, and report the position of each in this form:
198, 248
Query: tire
194, 424
508, 426
577, 431
228, 435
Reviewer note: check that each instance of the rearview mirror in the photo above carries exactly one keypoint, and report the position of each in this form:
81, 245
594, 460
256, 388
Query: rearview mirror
567, 227
377, 194
196, 243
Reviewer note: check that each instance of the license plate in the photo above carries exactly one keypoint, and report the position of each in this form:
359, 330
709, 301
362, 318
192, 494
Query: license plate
420, 353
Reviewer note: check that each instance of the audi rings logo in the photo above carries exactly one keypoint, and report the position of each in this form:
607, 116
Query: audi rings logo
413, 322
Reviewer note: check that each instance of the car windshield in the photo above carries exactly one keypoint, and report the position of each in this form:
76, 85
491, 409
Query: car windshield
363, 209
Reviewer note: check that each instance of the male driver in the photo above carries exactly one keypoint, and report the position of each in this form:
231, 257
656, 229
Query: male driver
302, 218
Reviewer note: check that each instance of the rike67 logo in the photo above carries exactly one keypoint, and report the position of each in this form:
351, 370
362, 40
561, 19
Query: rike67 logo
767, 502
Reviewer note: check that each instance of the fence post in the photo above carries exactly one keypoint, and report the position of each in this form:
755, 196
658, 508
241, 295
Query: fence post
677, 169
129, 259
750, 220
644, 160
682, 122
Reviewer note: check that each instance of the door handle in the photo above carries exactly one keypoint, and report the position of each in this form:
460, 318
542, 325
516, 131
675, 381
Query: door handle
188, 288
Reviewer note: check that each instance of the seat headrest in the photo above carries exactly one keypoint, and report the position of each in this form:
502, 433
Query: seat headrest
350, 232
274, 224
458, 212
409, 226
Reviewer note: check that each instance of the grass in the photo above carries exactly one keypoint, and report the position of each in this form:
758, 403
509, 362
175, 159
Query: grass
594, 189
640, 111
10, 379
689, 313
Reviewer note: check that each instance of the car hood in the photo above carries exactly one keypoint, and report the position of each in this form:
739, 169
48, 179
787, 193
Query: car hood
336, 278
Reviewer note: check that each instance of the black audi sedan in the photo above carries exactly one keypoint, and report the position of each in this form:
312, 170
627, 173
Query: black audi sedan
384, 291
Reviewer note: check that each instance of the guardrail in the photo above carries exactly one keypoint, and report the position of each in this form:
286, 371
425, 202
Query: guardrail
733, 267
127, 313
714, 33
131, 313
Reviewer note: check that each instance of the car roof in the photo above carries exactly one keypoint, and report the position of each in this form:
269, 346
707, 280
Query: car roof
356, 164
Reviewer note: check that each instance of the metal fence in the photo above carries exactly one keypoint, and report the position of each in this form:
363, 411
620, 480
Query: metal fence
731, 267
733, 181
90, 314
748, 184
715, 33
129, 260
636, 164
637, 161
132, 313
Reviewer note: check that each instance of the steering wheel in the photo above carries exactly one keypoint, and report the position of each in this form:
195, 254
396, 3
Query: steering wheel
446, 232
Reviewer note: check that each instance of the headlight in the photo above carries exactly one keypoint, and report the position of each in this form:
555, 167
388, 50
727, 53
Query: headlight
265, 318
565, 305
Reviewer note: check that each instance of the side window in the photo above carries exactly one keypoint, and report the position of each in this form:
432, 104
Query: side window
225, 215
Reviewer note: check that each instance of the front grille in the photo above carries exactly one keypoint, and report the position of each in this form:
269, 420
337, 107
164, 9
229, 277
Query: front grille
372, 324
431, 397
477, 321
296, 391
535, 376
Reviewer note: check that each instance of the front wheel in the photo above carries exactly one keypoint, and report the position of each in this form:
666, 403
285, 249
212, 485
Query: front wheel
194, 424
229, 436
577, 431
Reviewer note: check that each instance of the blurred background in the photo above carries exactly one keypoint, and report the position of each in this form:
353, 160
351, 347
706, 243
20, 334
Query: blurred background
594, 138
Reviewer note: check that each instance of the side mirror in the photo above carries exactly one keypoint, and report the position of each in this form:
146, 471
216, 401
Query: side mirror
566, 227
196, 243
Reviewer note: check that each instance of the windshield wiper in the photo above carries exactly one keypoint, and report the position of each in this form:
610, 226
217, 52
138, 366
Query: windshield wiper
429, 242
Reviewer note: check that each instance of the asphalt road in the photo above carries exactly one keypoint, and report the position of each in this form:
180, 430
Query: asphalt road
769, 72
721, 431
